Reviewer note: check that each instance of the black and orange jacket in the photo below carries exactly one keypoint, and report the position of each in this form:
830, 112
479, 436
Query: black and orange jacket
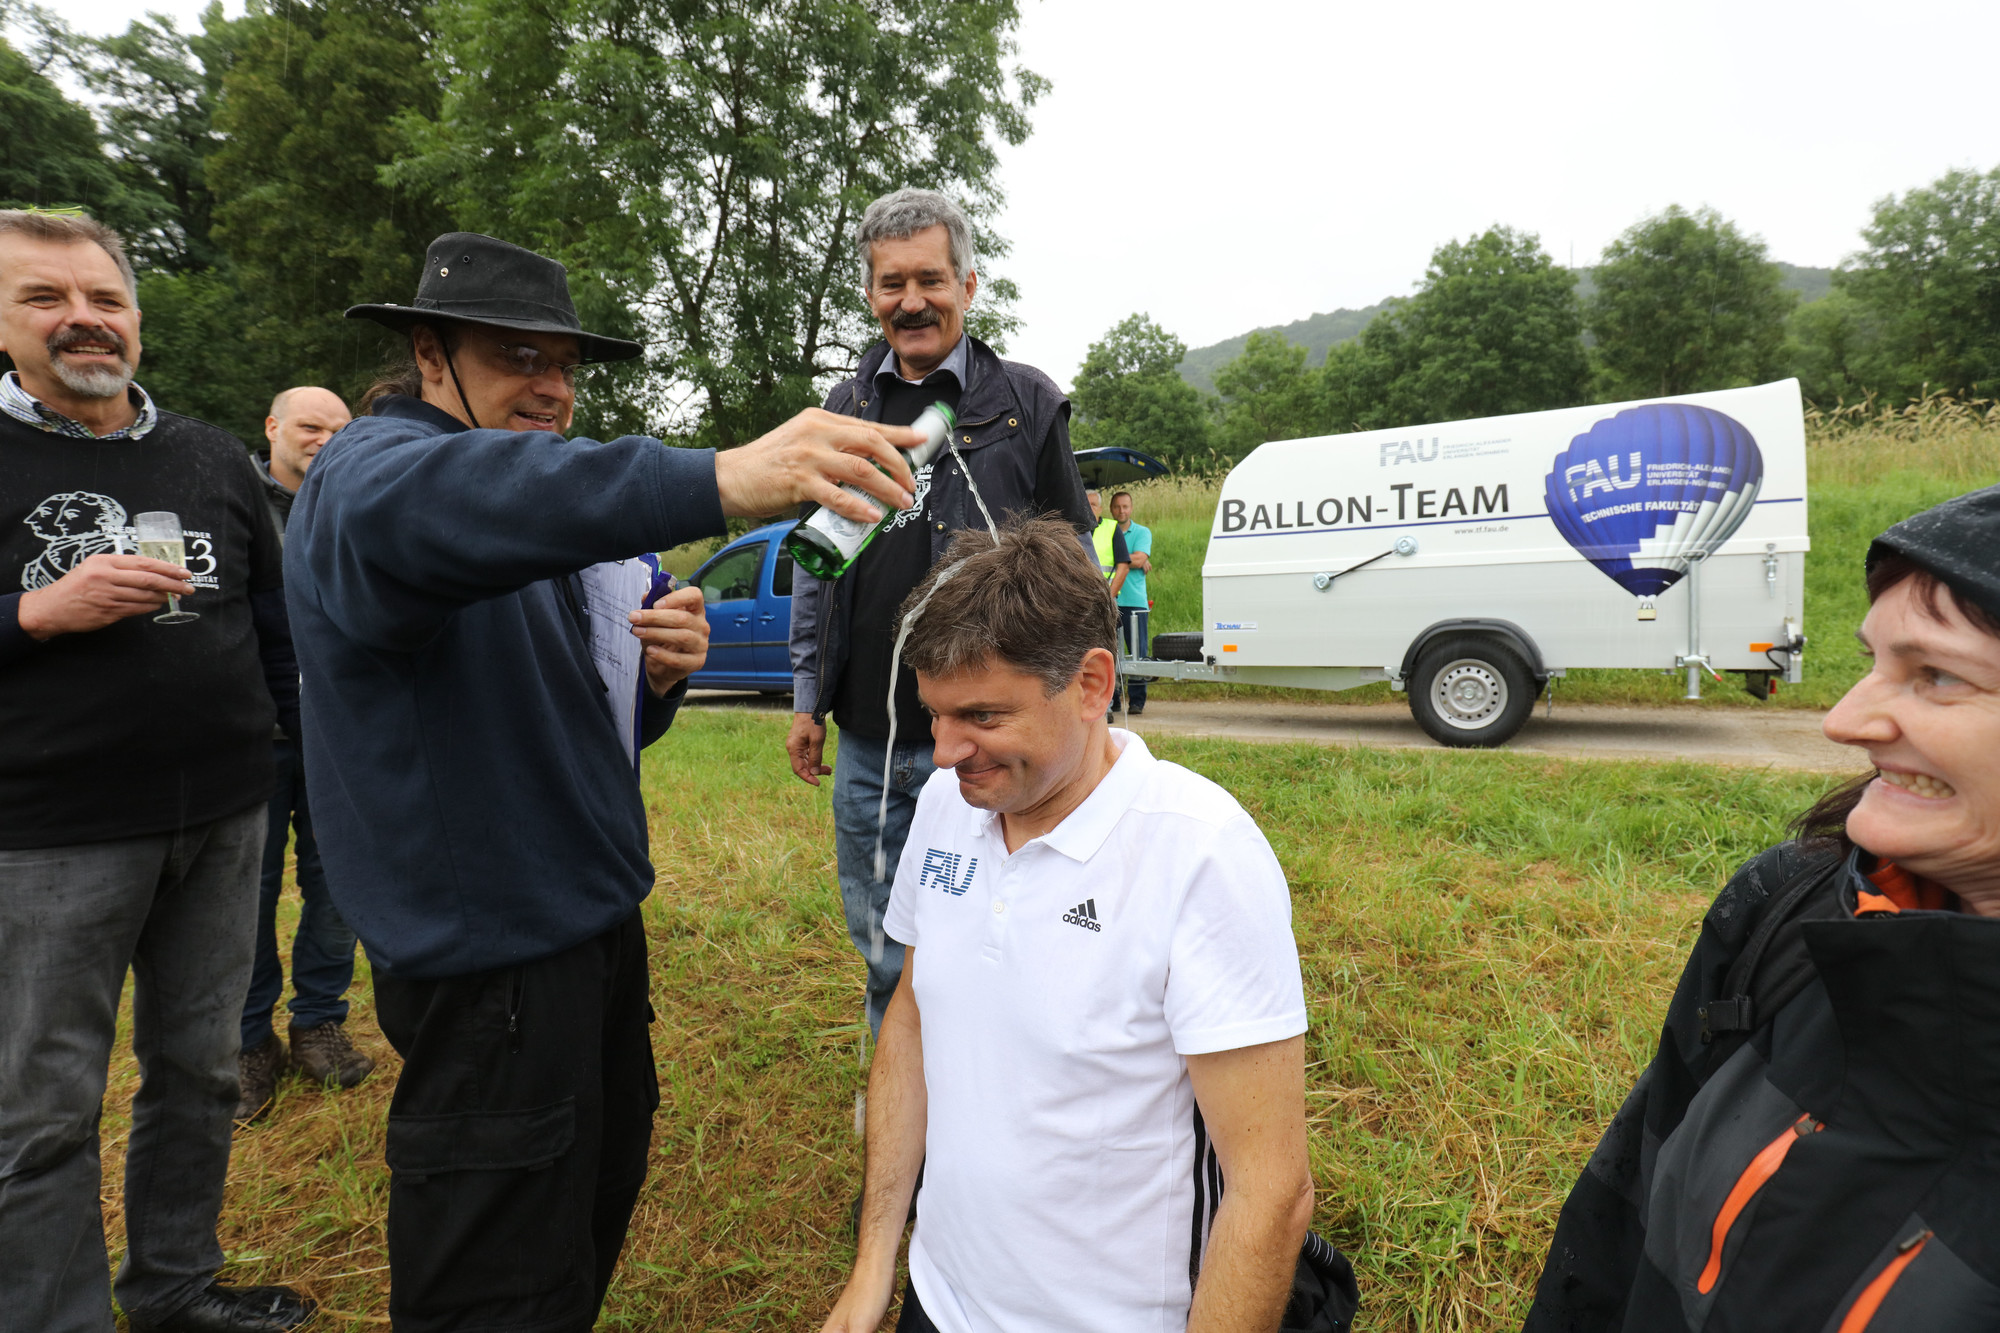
1835, 1170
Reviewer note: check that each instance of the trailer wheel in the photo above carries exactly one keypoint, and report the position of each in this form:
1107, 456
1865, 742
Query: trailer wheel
1184, 647
1471, 691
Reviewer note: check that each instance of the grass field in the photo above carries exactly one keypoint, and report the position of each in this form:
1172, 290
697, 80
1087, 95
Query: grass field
1488, 943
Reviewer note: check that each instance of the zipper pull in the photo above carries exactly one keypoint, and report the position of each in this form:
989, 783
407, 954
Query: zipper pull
1807, 1125
1913, 1242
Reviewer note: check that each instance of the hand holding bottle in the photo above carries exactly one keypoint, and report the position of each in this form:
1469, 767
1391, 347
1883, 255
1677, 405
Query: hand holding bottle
814, 457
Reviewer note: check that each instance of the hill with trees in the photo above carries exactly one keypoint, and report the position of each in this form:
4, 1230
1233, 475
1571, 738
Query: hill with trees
1316, 333
1681, 302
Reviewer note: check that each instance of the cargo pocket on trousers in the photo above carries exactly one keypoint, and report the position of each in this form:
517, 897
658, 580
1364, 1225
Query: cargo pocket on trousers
482, 1205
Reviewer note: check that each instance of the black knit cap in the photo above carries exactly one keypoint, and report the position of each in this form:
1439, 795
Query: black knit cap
1959, 541
477, 279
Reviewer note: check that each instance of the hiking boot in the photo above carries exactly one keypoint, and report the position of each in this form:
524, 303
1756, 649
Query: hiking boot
257, 1071
220, 1309
323, 1055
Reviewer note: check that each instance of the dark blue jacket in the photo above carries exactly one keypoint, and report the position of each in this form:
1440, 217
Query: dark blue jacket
473, 803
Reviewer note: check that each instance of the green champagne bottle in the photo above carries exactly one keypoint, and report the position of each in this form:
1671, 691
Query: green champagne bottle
826, 544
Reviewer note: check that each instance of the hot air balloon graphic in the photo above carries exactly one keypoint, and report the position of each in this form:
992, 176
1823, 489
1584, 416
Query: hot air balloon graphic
1641, 493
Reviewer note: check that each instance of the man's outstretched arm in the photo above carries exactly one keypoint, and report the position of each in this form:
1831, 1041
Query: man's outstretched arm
898, 1108
1253, 1101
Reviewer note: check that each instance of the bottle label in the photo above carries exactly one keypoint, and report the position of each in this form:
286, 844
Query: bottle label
845, 533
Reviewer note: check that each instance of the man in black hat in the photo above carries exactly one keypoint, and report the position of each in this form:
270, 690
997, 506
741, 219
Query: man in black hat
477, 811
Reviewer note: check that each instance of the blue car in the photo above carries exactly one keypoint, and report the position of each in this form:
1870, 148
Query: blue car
746, 588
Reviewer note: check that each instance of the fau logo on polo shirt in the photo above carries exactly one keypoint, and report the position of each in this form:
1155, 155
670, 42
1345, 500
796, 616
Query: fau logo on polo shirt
941, 869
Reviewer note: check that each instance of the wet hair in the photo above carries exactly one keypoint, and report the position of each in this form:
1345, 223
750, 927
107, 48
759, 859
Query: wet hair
1825, 822
903, 213
68, 229
1033, 600
404, 375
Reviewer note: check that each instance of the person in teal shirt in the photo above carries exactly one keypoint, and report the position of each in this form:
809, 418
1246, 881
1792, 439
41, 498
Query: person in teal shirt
1133, 606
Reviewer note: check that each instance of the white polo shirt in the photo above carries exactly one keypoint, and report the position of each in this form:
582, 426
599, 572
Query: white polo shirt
1068, 1183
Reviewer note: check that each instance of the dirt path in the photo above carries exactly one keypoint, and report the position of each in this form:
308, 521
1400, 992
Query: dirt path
1788, 738
1778, 738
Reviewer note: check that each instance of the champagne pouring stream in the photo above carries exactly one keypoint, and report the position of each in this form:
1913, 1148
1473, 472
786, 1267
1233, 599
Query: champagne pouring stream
895, 665
160, 538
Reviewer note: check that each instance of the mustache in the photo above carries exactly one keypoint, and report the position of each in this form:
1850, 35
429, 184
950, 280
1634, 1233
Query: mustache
921, 319
76, 335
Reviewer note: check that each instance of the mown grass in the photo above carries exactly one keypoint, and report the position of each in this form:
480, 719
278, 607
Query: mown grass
1488, 940
1867, 469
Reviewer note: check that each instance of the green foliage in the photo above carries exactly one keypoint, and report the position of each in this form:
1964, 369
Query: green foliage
1926, 290
159, 88
49, 151
701, 167
197, 357
1129, 393
1495, 327
308, 117
1316, 333
1830, 343
1685, 302
1267, 394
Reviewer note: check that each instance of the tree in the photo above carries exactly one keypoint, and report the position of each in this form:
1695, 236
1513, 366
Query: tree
309, 112
1129, 392
159, 88
1686, 302
1926, 290
700, 166
1495, 327
1267, 394
50, 154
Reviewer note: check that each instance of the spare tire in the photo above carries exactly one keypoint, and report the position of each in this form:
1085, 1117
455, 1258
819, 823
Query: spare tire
1177, 647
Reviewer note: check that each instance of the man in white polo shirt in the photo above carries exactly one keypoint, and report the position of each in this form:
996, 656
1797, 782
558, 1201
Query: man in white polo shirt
1100, 1018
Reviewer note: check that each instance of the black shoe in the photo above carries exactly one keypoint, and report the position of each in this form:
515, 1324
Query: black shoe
223, 1309
257, 1071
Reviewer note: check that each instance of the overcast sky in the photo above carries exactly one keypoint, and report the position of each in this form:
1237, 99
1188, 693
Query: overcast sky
1223, 167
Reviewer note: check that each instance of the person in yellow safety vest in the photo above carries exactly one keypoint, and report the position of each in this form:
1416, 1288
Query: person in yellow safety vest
1112, 558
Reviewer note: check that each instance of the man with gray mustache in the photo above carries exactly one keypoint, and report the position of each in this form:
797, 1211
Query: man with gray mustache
915, 252
134, 771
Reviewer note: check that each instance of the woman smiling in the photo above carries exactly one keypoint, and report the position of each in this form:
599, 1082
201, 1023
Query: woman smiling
1816, 1145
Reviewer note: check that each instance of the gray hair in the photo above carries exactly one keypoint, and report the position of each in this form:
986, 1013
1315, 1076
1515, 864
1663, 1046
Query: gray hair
71, 229
904, 213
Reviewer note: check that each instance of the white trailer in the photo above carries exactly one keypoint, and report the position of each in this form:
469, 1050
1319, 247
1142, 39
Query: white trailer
1470, 562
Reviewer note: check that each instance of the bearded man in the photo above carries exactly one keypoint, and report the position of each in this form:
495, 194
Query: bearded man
133, 777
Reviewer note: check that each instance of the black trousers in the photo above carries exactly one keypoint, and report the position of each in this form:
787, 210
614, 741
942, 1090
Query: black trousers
913, 1319
519, 1136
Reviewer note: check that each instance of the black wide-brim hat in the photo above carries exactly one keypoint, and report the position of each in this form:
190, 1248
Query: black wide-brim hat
478, 279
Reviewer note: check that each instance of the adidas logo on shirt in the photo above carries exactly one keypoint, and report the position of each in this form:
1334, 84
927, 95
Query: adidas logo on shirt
1084, 914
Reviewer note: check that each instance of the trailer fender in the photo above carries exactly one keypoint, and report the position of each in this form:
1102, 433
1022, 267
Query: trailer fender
1505, 630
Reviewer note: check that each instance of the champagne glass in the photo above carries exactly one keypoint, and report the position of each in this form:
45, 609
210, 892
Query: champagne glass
159, 534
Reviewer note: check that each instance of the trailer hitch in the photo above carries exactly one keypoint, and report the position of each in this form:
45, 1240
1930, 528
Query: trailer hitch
1403, 546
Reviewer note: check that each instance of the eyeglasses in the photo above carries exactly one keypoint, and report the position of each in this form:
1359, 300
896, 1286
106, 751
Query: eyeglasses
528, 362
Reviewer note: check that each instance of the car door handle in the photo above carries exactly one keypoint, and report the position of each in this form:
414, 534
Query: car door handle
768, 616
743, 619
